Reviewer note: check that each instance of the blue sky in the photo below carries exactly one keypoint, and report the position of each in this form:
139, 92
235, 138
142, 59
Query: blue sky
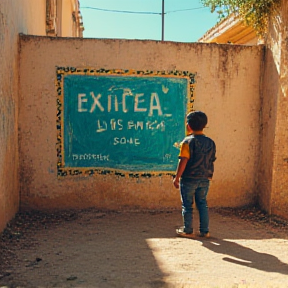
184, 20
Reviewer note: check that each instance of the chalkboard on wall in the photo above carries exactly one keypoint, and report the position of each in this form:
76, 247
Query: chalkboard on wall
121, 121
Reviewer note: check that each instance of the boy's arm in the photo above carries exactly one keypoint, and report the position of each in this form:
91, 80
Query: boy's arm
180, 169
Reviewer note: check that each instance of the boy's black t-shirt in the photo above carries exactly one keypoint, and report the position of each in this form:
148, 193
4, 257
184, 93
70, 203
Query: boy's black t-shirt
202, 156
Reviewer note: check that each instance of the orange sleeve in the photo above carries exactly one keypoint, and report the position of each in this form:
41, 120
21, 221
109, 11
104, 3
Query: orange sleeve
184, 151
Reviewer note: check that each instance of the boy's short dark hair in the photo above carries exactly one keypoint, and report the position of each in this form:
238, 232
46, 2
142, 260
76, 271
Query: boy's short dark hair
197, 120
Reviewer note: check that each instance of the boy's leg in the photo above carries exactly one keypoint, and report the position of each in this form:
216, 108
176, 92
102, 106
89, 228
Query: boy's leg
201, 203
187, 190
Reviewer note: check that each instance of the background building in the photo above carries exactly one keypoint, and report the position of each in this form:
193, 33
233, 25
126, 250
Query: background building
231, 30
34, 17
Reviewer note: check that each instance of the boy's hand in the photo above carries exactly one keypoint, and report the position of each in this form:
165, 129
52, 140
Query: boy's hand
176, 182
180, 168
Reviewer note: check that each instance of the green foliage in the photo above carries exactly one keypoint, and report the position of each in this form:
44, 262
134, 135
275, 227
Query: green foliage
254, 13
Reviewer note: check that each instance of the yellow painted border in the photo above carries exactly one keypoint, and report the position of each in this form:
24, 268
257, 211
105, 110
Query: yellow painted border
87, 171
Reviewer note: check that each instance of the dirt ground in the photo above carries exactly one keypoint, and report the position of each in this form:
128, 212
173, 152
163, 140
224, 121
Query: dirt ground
91, 249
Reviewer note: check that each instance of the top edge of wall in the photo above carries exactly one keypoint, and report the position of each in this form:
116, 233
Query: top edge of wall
27, 37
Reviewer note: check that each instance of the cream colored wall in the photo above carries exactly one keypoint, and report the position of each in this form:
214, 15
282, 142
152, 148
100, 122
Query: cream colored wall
227, 90
68, 6
29, 17
275, 141
268, 128
269, 104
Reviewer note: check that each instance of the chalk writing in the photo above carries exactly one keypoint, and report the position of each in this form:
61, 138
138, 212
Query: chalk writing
166, 157
124, 140
84, 106
120, 124
98, 157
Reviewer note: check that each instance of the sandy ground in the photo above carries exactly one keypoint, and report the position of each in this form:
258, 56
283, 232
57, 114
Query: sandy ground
89, 249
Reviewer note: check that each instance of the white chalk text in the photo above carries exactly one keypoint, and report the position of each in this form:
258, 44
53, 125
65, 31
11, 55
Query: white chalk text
91, 103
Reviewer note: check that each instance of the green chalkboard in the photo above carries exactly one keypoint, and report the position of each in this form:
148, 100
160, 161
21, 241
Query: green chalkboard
123, 122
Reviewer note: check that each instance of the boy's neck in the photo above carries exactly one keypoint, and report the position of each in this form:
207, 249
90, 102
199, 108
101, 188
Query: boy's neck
197, 132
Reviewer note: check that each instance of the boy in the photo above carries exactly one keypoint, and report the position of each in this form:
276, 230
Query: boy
195, 168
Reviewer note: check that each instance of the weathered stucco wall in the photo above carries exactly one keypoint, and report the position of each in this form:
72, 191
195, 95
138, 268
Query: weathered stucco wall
14, 18
267, 131
227, 89
269, 106
273, 178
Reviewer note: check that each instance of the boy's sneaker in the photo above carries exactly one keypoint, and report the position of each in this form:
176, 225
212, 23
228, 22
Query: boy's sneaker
180, 233
205, 235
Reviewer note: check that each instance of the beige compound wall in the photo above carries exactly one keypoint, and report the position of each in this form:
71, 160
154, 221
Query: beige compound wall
273, 179
16, 16
227, 89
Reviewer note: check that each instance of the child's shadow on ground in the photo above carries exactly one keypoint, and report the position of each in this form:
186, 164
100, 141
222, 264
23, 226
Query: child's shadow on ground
246, 256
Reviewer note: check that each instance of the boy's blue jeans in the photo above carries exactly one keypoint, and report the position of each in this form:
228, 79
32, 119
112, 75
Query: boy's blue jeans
198, 189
